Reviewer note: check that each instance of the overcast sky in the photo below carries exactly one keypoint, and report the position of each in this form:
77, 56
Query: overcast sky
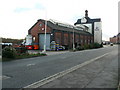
18, 16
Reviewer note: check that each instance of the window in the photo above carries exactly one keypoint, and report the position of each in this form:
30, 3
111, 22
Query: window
42, 29
40, 25
34, 39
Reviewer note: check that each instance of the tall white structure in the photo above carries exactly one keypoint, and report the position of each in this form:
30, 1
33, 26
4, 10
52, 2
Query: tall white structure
28, 40
94, 26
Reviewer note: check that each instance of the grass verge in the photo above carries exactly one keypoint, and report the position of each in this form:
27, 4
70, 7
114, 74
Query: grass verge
23, 56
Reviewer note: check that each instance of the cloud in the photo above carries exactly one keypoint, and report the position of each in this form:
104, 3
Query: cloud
18, 10
39, 6
17, 16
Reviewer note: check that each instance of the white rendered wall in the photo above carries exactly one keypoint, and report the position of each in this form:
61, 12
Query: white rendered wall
98, 32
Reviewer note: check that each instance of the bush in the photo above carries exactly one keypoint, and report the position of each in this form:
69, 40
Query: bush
96, 45
43, 54
21, 50
86, 46
91, 46
8, 52
101, 45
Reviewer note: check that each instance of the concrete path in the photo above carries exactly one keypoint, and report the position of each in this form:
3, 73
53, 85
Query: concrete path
47, 52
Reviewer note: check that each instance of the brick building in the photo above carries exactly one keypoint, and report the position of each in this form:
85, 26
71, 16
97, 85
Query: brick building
84, 31
115, 39
61, 33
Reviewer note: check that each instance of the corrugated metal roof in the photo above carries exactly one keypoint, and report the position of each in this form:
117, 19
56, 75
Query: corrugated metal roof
57, 26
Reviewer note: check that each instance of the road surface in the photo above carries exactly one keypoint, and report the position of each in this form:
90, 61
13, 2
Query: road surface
21, 73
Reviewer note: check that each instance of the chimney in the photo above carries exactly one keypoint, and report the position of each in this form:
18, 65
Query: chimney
86, 13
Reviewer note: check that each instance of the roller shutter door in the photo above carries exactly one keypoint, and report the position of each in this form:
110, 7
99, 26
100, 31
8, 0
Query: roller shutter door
41, 41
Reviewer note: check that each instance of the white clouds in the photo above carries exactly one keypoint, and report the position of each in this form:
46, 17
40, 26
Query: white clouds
17, 16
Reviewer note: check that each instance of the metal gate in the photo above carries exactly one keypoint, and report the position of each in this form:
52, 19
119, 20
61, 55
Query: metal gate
41, 41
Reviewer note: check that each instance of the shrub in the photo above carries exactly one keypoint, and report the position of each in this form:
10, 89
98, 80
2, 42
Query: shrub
96, 45
91, 46
101, 45
86, 46
8, 52
43, 54
21, 50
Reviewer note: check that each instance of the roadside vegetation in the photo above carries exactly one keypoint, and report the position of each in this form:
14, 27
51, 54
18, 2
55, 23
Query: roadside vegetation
9, 53
90, 46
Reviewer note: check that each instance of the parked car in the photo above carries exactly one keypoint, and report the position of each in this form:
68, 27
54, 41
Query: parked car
58, 48
61, 48
29, 47
111, 44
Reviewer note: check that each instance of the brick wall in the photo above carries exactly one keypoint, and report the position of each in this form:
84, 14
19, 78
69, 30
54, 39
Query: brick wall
58, 38
65, 39
39, 28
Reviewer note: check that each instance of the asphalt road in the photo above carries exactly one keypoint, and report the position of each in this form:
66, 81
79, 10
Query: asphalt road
20, 73
101, 72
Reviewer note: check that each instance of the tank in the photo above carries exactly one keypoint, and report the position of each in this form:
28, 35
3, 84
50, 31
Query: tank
28, 40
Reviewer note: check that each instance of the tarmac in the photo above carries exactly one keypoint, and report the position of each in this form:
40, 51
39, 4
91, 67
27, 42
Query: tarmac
102, 73
98, 74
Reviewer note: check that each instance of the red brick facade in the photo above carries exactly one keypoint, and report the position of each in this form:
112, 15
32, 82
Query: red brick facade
61, 37
39, 28
65, 38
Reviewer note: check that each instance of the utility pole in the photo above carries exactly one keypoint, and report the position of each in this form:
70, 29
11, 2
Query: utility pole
45, 36
73, 39
45, 32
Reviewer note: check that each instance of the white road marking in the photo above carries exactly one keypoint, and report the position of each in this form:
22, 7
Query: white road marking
60, 74
4, 77
30, 64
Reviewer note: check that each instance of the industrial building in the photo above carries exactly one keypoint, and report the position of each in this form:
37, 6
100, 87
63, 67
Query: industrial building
115, 39
94, 26
65, 34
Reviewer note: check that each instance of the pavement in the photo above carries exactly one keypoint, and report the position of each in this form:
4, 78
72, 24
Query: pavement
47, 52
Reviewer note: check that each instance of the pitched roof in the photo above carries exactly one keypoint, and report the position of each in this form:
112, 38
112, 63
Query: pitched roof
118, 34
88, 20
62, 26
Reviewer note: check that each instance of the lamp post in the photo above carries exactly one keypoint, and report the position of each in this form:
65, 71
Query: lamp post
45, 36
73, 39
116, 39
45, 32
